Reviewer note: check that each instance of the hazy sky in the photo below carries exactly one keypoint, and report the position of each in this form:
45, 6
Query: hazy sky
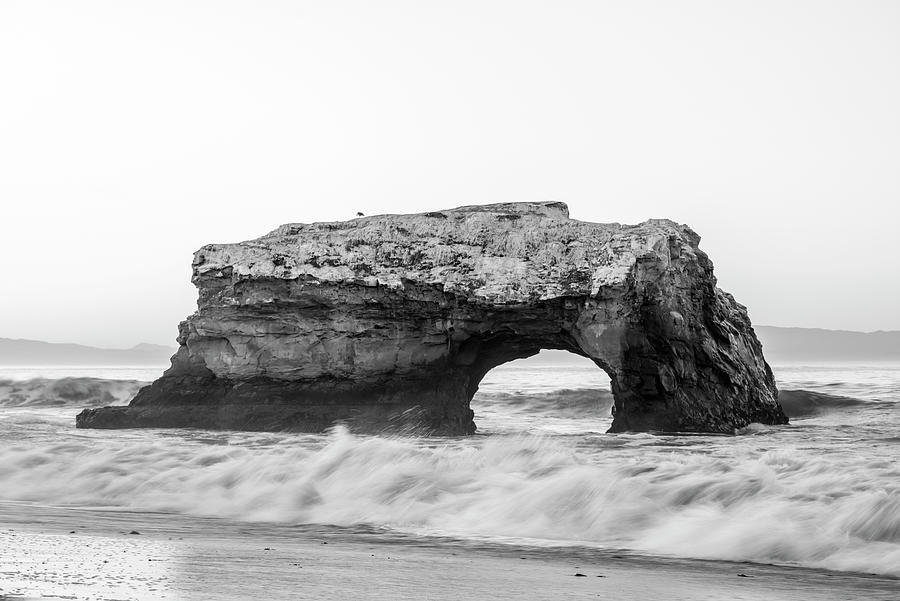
132, 133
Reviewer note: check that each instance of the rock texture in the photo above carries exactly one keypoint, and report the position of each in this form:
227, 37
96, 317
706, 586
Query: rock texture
392, 321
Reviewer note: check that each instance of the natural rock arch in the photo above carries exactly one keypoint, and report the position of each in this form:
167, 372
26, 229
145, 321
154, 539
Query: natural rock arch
393, 320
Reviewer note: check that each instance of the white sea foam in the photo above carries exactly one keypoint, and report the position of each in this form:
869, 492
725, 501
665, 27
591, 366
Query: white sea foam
775, 506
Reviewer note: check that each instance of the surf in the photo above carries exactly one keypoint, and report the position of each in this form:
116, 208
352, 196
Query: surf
778, 506
67, 392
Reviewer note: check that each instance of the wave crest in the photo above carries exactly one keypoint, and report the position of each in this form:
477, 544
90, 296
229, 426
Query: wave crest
807, 403
78, 391
567, 402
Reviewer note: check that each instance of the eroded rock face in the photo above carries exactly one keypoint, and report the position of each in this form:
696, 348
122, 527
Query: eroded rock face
393, 320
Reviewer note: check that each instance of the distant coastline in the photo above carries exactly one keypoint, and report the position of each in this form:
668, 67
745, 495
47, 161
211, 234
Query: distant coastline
814, 344
18, 352
780, 345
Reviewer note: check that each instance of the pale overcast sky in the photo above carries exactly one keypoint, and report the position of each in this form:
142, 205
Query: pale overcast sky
132, 133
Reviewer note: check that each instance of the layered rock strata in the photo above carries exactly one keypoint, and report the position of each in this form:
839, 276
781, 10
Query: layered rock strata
391, 322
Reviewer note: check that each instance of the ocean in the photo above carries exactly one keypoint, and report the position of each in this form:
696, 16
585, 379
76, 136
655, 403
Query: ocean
541, 473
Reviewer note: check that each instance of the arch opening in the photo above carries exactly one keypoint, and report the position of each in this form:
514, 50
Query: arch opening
551, 392
524, 353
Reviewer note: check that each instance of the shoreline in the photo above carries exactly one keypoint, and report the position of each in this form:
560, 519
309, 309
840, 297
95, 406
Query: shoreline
103, 554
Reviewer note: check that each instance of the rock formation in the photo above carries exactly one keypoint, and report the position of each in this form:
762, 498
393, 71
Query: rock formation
392, 321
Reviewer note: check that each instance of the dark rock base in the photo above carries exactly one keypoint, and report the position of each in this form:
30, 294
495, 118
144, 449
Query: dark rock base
271, 406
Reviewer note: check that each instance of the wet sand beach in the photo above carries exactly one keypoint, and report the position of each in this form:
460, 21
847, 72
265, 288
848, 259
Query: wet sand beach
112, 555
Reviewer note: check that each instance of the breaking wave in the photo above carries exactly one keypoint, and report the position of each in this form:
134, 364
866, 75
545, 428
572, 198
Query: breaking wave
806, 403
63, 392
567, 402
779, 506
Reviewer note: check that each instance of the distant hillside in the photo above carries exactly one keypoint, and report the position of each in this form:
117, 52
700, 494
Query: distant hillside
779, 345
15, 352
812, 344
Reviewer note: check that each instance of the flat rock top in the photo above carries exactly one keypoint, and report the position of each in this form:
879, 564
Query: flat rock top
499, 253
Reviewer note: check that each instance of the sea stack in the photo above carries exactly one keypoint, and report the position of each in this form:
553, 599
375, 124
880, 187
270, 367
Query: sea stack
390, 322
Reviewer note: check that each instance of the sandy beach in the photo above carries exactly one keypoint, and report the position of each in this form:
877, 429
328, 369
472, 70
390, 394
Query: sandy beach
113, 555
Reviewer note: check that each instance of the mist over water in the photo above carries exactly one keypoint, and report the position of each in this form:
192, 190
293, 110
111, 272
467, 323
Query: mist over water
824, 491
